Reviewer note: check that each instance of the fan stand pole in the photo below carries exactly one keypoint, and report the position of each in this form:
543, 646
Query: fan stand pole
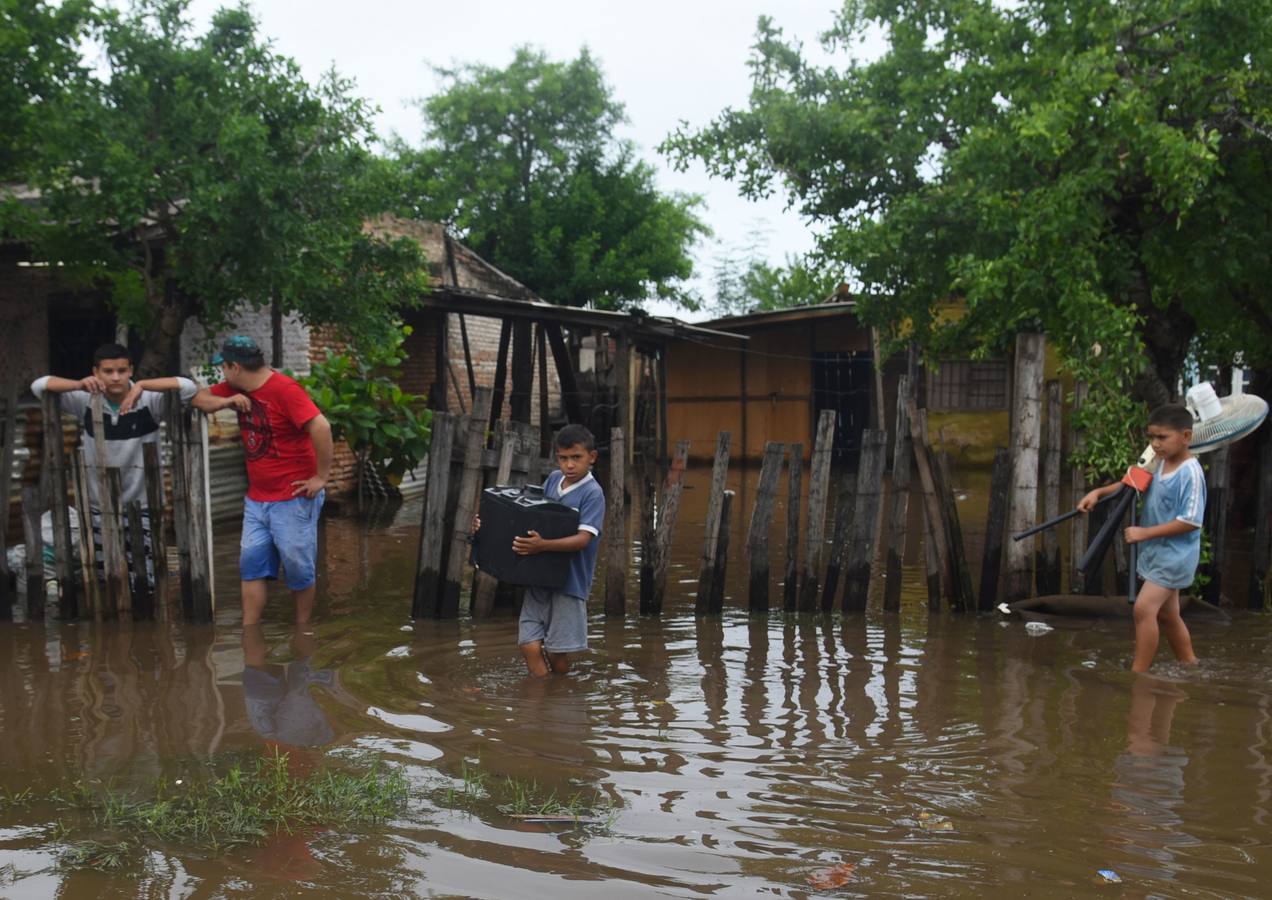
1132, 554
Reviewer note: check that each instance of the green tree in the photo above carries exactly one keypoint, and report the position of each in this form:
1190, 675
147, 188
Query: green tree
756, 285
524, 163
1094, 168
202, 172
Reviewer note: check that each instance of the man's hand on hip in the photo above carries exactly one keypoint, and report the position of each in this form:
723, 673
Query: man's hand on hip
309, 487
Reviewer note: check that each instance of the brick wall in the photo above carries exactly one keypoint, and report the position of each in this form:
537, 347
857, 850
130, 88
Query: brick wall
197, 346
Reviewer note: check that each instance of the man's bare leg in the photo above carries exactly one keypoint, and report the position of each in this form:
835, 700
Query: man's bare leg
1151, 599
304, 603
535, 661
1171, 624
253, 600
560, 662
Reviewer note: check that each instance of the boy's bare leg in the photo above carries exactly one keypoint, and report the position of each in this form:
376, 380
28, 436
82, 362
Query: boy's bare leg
1151, 599
535, 661
304, 603
1171, 624
253, 600
560, 662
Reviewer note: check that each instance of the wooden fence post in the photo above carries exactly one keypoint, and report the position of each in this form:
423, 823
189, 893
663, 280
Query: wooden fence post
757, 538
995, 522
818, 494
1047, 566
428, 574
116, 568
1261, 552
158, 533
794, 494
901, 453
200, 531
31, 510
55, 463
6, 490
721, 558
115, 491
617, 558
960, 574
143, 604
179, 437
469, 483
874, 458
485, 584
1026, 419
668, 512
841, 538
1078, 524
1217, 521
87, 552
710, 540
938, 540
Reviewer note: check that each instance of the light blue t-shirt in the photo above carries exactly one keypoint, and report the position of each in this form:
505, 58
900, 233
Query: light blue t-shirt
1181, 494
587, 496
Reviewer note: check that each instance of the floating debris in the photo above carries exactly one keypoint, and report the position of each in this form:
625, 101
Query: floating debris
1037, 628
1110, 876
835, 876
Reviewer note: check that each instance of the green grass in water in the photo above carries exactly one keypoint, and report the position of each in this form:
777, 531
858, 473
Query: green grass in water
243, 806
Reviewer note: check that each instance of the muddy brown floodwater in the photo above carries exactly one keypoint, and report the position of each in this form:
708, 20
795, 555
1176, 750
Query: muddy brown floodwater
952, 756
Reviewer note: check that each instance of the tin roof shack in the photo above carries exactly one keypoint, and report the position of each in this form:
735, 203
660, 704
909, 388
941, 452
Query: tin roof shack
795, 363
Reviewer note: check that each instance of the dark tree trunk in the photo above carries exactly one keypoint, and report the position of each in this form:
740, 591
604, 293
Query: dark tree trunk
163, 339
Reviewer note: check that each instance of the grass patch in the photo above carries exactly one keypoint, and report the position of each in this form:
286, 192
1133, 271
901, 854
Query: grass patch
246, 805
16, 799
517, 797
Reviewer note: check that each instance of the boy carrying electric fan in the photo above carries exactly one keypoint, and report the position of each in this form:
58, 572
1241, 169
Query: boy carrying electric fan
1169, 536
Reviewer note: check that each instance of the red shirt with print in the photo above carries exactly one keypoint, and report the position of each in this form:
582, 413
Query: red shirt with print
275, 443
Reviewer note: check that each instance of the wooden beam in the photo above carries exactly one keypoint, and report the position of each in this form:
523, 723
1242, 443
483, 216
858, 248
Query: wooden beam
565, 373
468, 355
501, 373
522, 370
545, 420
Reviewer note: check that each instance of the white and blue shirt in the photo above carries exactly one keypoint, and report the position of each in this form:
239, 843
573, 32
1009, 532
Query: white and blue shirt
587, 496
1172, 561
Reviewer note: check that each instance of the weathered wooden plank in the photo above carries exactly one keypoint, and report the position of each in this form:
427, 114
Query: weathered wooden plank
900, 506
469, 485
522, 371
818, 495
87, 556
113, 509
1026, 419
938, 539
55, 464
794, 499
668, 512
720, 561
1078, 488
1261, 553
200, 531
484, 584
1047, 565
501, 373
995, 525
757, 538
31, 512
710, 539
565, 373
617, 546
10, 440
960, 573
142, 600
648, 537
428, 574
865, 515
1217, 520
179, 438
158, 537
840, 538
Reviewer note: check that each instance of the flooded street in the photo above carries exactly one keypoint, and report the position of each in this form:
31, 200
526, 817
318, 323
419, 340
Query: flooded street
950, 756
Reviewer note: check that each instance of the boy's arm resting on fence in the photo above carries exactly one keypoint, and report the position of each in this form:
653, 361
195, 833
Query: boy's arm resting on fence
58, 385
207, 402
319, 430
187, 389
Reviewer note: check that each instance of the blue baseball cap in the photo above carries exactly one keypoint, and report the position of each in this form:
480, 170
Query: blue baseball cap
238, 348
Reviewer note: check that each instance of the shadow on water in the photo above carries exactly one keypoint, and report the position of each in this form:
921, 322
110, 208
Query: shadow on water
732, 756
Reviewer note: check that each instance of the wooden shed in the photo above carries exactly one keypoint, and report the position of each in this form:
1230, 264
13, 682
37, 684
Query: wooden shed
795, 363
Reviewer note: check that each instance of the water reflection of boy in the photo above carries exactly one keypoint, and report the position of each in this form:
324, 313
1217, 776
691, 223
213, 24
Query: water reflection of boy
1148, 784
280, 707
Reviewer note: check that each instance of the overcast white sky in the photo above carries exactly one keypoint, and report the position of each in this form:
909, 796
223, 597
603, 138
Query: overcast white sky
665, 60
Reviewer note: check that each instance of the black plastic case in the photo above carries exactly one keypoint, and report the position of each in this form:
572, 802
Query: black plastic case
507, 511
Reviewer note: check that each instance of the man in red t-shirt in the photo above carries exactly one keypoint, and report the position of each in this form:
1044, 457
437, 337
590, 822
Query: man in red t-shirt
287, 443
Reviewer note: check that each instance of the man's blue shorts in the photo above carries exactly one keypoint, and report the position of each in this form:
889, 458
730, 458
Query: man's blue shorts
285, 530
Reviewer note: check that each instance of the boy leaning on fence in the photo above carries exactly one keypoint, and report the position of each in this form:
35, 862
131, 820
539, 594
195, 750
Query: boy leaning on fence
131, 413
